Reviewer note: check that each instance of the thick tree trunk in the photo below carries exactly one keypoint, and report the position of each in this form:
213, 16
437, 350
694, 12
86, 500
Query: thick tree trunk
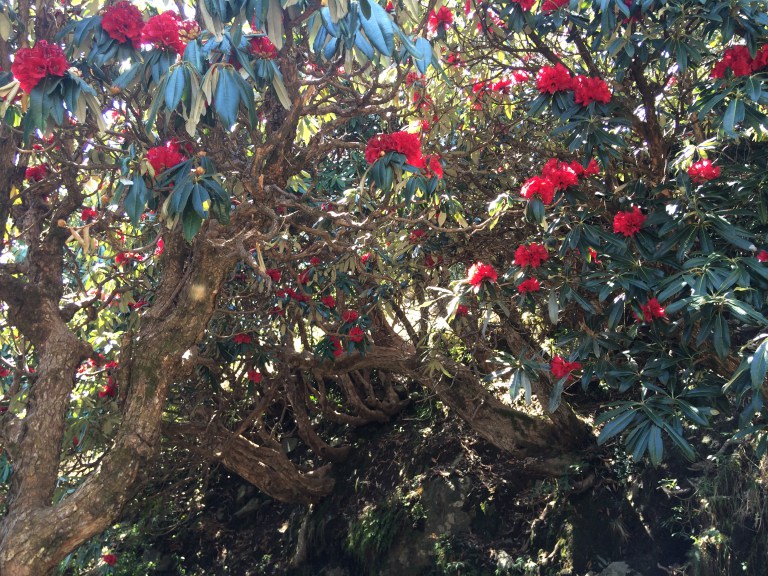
36, 535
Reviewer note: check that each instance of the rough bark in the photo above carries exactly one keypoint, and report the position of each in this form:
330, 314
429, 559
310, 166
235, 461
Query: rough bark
36, 535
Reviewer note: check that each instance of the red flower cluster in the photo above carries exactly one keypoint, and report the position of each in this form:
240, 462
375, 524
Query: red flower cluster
556, 175
356, 334
164, 157
702, 171
110, 390
530, 285
561, 174
30, 65
337, 348
533, 255
329, 301
349, 316
401, 142
439, 20
274, 274
587, 90
552, 79
462, 310
560, 368
162, 31
538, 186
88, 214
552, 5
415, 78
4, 371
479, 272
242, 339
738, 60
525, 4
36, 173
762, 256
124, 257
124, 23
262, 47
188, 31
629, 223
433, 166
109, 559
416, 236
652, 309
254, 376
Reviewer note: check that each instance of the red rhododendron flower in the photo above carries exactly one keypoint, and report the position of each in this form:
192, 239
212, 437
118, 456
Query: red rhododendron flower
736, 58
592, 168
164, 157
304, 277
702, 171
533, 255
434, 167
4, 371
440, 19
365, 257
254, 376
160, 247
762, 256
36, 173
629, 223
588, 90
652, 309
416, 236
349, 316
88, 214
162, 31
403, 143
553, 79
188, 31
561, 174
761, 59
560, 368
552, 5
356, 334
314, 261
462, 310
337, 348
538, 186
274, 274
262, 47
109, 559
124, 23
329, 301
109, 391
525, 4
429, 262
123, 257
242, 339
479, 272
530, 285
30, 65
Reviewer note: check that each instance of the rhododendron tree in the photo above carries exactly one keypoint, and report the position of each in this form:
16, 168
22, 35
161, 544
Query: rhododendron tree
226, 225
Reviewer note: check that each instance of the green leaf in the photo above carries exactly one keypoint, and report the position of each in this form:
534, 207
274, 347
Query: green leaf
275, 23
655, 445
136, 199
191, 224
759, 365
616, 426
423, 54
174, 87
553, 307
379, 29
227, 97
